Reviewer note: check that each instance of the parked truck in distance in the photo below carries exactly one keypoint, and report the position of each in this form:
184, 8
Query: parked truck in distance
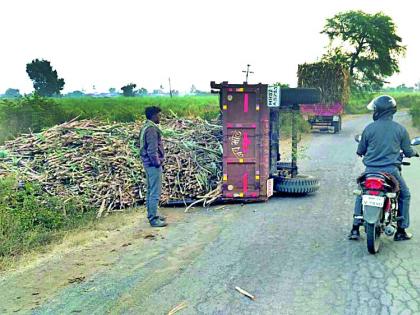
333, 82
324, 117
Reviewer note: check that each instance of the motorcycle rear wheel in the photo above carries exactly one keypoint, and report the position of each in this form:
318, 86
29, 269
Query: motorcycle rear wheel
373, 233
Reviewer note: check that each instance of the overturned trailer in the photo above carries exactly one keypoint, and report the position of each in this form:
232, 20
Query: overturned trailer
252, 170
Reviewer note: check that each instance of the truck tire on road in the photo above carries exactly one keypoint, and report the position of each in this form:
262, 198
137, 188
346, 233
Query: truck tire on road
302, 184
299, 96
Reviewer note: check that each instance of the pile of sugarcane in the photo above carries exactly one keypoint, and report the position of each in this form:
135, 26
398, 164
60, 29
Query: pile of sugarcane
331, 78
100, 162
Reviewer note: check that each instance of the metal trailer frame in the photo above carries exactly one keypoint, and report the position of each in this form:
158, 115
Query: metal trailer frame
277, 171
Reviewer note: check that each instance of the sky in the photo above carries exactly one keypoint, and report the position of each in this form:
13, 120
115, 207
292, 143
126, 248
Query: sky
109, 43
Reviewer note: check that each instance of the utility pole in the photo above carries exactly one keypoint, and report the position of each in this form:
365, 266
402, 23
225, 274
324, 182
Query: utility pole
170, 88
247, 72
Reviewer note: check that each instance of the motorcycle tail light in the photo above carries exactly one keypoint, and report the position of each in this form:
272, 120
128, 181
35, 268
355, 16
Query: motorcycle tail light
374, 183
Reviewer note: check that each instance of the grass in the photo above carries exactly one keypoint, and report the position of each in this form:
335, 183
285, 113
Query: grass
415, 114
31, 113
74, 236
30, 218
127, 109
358, 102
409, 100
34, 113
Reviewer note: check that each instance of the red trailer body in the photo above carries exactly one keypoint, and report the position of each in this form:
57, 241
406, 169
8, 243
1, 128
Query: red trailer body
246, 147
251, 159
322, 109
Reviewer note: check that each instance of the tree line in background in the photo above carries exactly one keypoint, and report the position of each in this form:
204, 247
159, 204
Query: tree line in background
366, 44
46, 83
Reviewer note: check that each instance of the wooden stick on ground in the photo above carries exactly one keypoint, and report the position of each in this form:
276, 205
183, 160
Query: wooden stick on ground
194, 203
178, 308
247, 294
101, 209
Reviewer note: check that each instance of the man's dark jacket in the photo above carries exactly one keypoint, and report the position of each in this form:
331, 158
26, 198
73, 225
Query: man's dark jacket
382, 141
152, 153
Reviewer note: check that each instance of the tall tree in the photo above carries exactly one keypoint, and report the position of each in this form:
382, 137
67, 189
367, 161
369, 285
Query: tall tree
12, 93
44, 78
282, 85
367, 44
75, 94
128, 90
142, 91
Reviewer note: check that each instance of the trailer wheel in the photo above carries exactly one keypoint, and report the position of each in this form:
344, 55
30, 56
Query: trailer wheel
302, 184
291, 96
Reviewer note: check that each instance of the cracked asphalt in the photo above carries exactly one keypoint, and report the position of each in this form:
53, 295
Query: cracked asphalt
292, 253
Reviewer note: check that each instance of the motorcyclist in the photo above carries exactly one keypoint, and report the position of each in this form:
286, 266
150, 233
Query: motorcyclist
381, 144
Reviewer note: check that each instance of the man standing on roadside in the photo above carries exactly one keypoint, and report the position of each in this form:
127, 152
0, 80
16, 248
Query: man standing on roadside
152, 156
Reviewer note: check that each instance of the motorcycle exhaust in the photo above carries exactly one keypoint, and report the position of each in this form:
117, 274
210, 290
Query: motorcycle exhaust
389, 230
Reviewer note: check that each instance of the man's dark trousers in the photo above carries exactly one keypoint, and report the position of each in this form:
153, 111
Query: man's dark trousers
154, 183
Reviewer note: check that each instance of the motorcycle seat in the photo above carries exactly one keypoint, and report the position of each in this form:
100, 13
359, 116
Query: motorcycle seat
390, 180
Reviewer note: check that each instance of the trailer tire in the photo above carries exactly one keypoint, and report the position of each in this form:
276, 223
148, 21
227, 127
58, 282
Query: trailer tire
302, 184
292, 96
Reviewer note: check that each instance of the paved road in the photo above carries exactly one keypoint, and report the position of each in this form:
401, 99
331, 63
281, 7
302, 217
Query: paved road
291, 253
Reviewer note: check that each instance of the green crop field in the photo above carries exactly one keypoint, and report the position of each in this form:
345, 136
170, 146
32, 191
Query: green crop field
35, 114
409, 100
358, 102
130, 108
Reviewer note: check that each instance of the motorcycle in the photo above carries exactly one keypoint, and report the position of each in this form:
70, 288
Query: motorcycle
379, 192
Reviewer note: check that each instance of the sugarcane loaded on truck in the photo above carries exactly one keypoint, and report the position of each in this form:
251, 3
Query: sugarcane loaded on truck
333, 81
252, 169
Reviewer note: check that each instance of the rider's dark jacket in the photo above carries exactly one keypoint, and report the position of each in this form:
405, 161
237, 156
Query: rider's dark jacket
382, 142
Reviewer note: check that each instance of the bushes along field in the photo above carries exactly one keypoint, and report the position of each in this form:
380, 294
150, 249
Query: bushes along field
30, 218
358, 102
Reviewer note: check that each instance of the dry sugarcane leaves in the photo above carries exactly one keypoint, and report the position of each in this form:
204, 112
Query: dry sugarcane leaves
331, 78
101, 163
